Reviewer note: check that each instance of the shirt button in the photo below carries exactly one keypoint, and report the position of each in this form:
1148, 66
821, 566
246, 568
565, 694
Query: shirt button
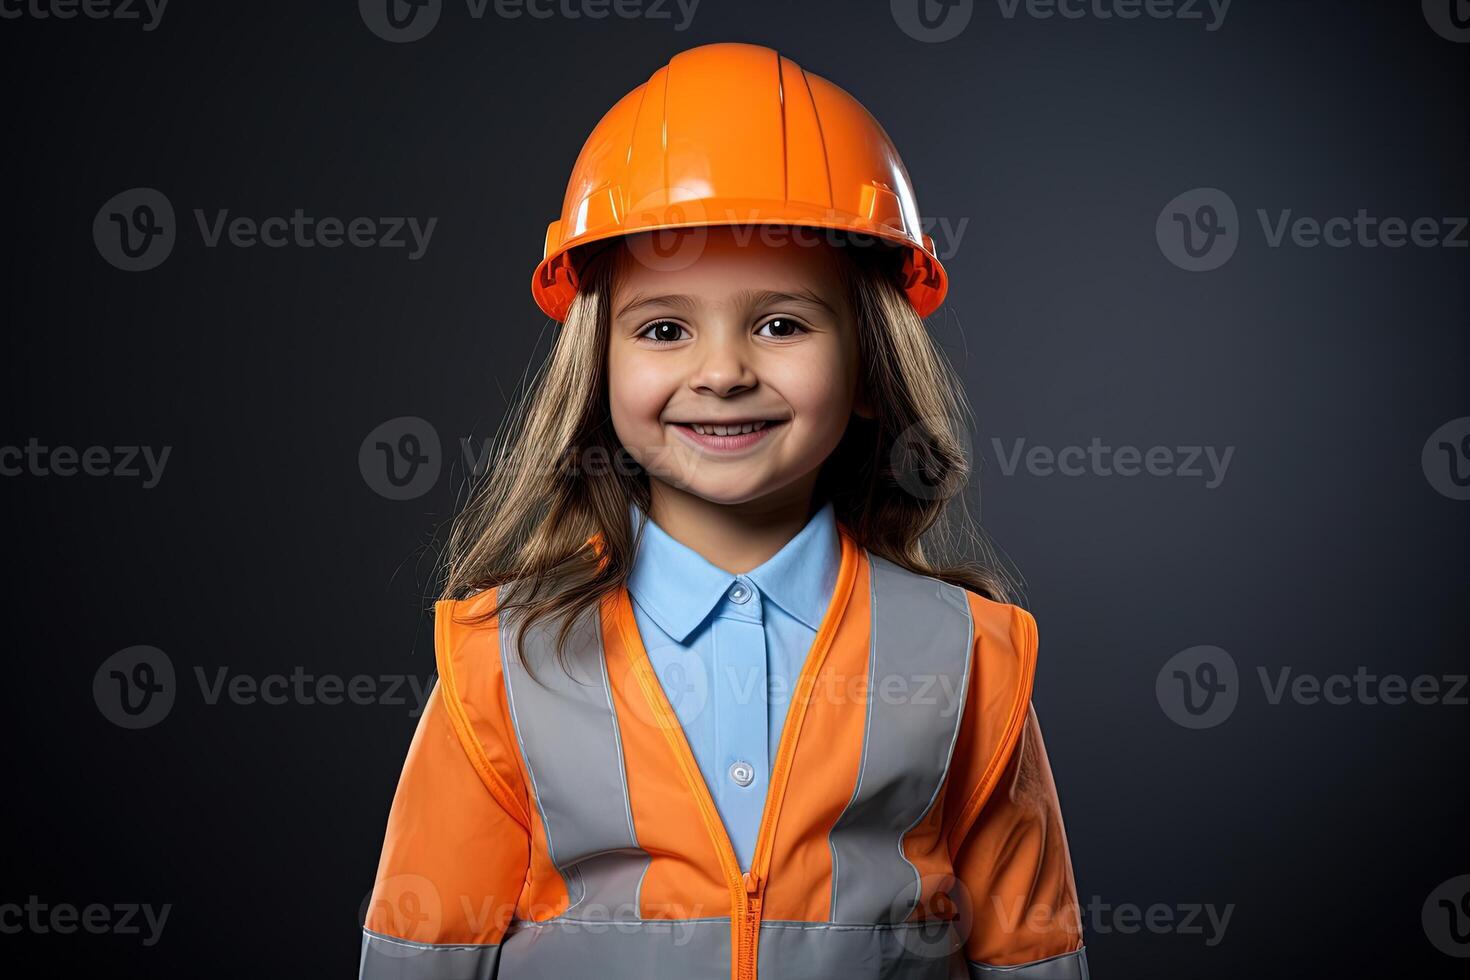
742, 772
739, 593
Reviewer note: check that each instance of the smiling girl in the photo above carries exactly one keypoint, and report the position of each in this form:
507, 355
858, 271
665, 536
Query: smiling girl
713, 702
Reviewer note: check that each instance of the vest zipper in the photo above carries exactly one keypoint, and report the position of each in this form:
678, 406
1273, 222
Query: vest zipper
750, 931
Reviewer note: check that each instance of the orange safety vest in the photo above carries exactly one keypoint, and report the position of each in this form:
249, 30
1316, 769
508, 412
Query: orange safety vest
563, 829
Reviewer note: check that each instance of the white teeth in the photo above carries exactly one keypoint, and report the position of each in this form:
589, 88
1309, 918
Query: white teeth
726, 430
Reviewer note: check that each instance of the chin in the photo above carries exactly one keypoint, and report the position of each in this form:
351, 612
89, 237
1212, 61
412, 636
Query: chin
726, 495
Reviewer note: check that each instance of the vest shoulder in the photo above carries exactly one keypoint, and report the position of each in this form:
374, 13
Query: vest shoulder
984, 607
1001, 629
467, 635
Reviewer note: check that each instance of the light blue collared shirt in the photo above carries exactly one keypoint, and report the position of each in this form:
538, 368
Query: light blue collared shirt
729, 648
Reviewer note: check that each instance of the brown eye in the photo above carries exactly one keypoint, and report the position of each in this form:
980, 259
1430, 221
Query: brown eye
783, 326
664, 331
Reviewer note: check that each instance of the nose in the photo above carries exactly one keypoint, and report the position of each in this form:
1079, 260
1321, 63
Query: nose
723, 368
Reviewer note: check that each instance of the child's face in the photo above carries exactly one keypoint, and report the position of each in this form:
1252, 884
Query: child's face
716, 344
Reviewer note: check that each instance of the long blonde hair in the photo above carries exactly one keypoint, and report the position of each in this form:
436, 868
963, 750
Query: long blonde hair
559, 475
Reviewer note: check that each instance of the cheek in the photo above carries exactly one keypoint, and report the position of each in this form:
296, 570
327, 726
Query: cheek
637, 394
819, 392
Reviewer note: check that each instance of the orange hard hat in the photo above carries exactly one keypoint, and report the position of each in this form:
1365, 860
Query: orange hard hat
735, 134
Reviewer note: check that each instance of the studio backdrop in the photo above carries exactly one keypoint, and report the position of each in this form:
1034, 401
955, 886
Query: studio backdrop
266, 302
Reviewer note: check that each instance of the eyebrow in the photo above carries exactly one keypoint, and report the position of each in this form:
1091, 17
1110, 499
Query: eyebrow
746, 297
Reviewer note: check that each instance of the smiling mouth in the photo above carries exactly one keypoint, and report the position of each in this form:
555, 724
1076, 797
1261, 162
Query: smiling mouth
727, 436
728, 428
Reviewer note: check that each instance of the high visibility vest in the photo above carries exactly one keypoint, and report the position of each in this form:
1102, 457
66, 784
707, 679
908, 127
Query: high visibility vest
558, 826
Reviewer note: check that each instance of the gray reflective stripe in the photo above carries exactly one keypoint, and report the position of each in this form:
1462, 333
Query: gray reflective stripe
699, 949
647, 949
386, 958
1067, 966
918, 669
568, 735
812, 950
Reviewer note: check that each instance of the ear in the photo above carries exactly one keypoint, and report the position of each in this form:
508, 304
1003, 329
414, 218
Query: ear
862, 406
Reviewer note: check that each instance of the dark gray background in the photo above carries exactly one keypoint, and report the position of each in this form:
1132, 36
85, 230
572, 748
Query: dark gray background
1322, 828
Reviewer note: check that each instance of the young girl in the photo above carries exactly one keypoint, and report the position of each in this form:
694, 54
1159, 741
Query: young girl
710, 703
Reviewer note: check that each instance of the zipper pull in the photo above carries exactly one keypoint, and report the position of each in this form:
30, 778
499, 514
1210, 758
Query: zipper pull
752, 883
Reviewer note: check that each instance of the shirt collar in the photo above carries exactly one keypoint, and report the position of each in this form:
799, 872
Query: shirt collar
679, 588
